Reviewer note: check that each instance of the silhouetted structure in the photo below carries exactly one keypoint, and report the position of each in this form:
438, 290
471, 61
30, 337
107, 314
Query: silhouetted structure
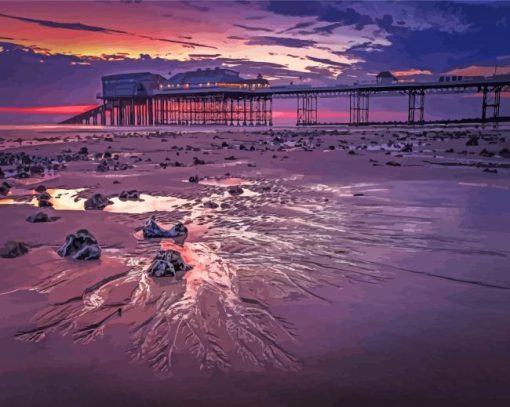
222, 97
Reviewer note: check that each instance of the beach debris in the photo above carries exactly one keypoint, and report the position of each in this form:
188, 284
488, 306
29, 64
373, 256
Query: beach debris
5, 187
41, 217
13, 249
97, 202
132, 195
81, 246
167, 263
151, 229
235, 190
44, 200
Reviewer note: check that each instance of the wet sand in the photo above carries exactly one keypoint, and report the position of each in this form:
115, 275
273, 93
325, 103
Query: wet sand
333, 278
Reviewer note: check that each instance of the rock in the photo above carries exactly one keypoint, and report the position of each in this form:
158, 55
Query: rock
167, 263
116, 182
151, 229
13, 249
198, 161
210, 205
486, 153
40, 217
194, 179
473, 141
132, 195
97, 202
235, 190
44, 200
4, 188
504, 152
358, 194
408, 148
393, 164
351, 152
491, 170
40, 189
230, 158
83, 151
81, 246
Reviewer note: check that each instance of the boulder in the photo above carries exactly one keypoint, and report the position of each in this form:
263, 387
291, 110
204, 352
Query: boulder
210, 205
13, 249
151, 230
194, 179
81, 246
97, 202
167, 263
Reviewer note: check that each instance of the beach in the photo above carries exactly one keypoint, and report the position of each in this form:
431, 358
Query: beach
330, 265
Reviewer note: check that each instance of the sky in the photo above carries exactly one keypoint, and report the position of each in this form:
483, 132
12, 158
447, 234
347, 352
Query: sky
53, 54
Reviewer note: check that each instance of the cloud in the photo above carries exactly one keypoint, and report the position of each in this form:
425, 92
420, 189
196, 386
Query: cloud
298, 26
281, 41
248, 28
97, 29
326, 61
412, 72
67, 26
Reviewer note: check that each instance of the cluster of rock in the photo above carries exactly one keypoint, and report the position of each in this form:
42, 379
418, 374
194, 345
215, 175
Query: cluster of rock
168, 263
81, 246
41, 217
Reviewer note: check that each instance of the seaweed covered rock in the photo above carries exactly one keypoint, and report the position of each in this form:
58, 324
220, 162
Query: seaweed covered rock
41, 217
97, 202
210, 205
81, 246
131, 195
167, 263
151, 229
13, 249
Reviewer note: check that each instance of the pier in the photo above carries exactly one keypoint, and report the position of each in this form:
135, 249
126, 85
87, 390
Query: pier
222, 97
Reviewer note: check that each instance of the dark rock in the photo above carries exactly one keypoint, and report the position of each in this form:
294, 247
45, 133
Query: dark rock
151, 230
40, 189
167, 263
473, 141
230, 158
4, 188
486, 153
13, 249
504, 152
358, 194
44, 200
351, 152
41, 217
235, 190
210, 205
408, 148
132, 195
116, 182
194, 179
97, 202
81, 246
197, 161
83, 151
225, 205
393, 164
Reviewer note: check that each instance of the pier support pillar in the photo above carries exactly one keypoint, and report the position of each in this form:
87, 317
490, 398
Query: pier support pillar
358, 107
306, 109
491, 100
416, 108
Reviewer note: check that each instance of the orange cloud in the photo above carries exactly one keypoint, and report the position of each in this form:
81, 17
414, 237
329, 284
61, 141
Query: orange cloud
475, 70
411, 72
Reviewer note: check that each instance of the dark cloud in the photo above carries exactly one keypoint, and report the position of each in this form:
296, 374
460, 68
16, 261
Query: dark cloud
97, 29
323, 11
249, 28
281, 41
327, 62
67, 26
298, 26
255, 18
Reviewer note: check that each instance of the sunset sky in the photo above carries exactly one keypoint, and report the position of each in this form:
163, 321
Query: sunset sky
53, 54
